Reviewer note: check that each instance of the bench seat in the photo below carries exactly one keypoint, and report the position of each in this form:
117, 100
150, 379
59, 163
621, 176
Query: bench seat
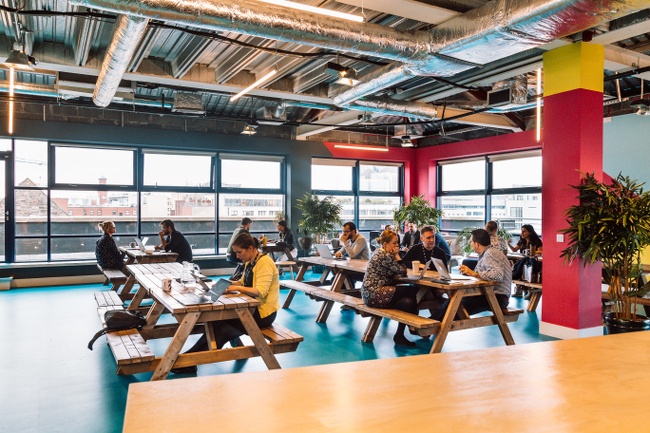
535, 290
419, 325
129, 347
295, 286
281, 339
108, 299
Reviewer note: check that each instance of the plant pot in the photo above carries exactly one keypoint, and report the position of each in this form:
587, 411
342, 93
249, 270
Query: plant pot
615, 325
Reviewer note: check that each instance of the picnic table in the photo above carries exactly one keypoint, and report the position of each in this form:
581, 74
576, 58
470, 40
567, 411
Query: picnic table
136, 256
193, 314
456, 291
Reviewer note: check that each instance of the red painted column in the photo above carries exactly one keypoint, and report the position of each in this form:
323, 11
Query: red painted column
572, 143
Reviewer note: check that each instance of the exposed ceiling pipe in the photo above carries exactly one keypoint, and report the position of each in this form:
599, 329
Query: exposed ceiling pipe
126, 38
398, 108
497, 29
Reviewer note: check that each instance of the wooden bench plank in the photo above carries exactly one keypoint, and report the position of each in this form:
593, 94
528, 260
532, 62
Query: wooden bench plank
108, 299
294, 286
535, 290
129, 347
281, 339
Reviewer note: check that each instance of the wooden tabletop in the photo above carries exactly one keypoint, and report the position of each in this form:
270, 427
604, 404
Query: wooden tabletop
137, 256
584, 385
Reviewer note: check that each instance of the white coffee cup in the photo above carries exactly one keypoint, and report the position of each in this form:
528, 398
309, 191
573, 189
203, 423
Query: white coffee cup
416, 266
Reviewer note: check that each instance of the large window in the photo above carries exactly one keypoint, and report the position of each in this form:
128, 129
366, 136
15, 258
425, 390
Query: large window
504, 188
251, 186
61, 192
368, 191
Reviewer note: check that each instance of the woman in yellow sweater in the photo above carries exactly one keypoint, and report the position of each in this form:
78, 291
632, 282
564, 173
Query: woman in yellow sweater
260, 281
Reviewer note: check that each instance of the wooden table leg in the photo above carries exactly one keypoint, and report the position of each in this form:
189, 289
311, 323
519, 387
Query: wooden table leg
496, 310
255, 334
171, 354
138, 297
292, 292
337, 285
445, 326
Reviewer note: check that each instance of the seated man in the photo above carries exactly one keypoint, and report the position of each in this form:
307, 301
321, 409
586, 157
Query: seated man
411, 237
427, 249
354, 244
174, 241
244, 227
492, 265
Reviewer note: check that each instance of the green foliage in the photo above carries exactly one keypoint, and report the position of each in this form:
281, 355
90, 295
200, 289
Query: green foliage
463, 240
319, 217
611, 225
418, 212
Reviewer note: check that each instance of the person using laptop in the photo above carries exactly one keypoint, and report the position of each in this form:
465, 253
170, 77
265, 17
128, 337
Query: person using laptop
174, 241
427, 249
354, 244
492, 265
379, 289
106, 251
260, 281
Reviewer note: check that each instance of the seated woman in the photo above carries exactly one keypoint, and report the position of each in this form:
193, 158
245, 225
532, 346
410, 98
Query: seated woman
286, 237
528, 237
260, 280
379, 290
106, 251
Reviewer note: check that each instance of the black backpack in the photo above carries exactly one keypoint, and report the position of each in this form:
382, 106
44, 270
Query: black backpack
119, 320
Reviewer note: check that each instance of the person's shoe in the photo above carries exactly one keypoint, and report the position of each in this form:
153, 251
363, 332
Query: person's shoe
185, 370
527, 296
518, 292
401, 340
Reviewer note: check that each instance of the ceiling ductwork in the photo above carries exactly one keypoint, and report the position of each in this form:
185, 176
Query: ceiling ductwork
126, 38
496, 30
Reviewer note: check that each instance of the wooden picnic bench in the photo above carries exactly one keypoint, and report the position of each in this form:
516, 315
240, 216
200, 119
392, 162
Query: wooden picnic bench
535, 290
419, 325
115, 277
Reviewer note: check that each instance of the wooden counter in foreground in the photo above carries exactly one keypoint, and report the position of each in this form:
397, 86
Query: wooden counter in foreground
588, 385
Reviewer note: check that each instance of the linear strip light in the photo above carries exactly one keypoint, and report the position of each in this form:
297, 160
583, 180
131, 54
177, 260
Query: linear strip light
539, 105
316, 10
10, 128
373, 148
254, 85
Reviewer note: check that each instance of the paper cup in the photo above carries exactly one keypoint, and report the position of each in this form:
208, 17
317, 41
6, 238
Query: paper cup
416, 266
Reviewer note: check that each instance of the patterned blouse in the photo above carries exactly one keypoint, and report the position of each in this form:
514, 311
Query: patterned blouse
107, 253
378, 287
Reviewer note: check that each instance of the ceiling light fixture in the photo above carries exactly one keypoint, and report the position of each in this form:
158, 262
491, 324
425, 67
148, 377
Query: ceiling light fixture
354, 147
365, 119
406, 141
346, 76
313, 9
254, 85
250, 128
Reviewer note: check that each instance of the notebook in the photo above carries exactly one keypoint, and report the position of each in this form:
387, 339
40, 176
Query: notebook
324, 252
141, 242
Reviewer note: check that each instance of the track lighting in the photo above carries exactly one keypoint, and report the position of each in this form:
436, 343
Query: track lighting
406, 141
346, 76
250, 128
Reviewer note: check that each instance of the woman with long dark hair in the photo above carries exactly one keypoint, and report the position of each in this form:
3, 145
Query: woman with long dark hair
528, 237
379, 289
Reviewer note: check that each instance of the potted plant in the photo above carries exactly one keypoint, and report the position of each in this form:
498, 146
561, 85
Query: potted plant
418, 211
319, 217
611, 224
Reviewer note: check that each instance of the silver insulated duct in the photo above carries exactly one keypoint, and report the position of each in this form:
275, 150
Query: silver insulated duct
498, 29
127, 36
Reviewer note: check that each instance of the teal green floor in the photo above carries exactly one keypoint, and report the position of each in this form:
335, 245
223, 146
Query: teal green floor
50, 381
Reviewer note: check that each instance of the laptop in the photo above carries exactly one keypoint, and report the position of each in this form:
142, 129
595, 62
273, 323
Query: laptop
444, 273
141, 242
324, 252
213, 293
